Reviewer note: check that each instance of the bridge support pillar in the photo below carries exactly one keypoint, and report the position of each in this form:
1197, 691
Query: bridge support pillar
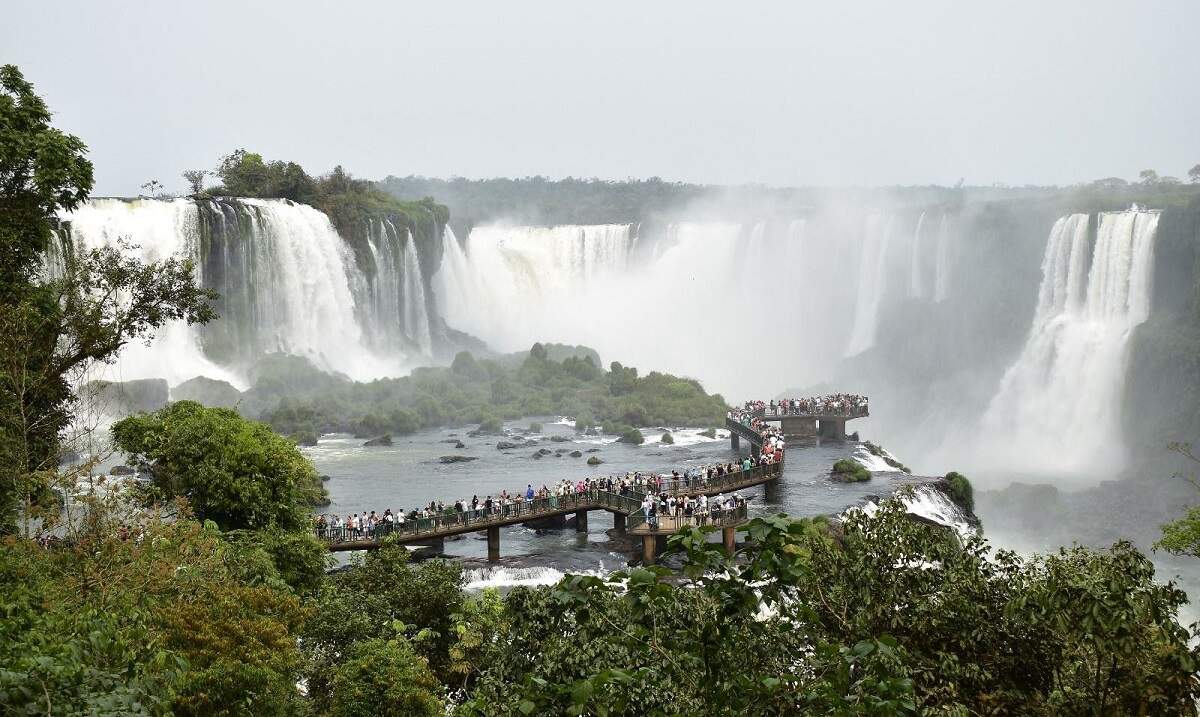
729, 537
833, 428
798, 427
735, 441
619, 522
649, 549
493, 538
581, 521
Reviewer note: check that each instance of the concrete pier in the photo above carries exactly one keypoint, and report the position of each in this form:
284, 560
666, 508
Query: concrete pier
581, 521
493, 538
729, 537
619, 522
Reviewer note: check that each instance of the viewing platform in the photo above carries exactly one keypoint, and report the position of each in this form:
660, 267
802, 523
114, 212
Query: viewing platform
829, 424
433, 531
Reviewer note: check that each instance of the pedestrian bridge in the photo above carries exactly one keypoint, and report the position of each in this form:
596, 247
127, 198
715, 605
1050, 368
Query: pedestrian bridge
626, 509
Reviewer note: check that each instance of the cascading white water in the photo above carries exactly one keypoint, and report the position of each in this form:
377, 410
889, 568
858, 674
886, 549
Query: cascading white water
1058, 406
382, 302
941, 276
872, 282
416, 313
284, 275
687, 300
916, 283
519, 270
158, 230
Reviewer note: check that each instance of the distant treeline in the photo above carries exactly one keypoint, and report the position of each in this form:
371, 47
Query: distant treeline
298, 399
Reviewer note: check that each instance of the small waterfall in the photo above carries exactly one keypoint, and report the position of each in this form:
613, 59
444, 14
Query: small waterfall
1058, 406
416, 313
916, 285
941, 276
872, 282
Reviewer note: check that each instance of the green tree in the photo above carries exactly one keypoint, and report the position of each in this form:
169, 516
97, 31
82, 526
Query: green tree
53, 330
384, 677
365, 601
237, 473
1182, 536
1194, 174
195, 179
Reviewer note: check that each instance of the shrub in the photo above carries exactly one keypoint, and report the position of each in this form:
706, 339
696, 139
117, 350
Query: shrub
667, 438
490, 424
961, 489
709, 433
849, 470
535, 427
632, 435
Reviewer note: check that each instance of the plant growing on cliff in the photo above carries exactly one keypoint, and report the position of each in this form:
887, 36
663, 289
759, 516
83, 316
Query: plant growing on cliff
962, 491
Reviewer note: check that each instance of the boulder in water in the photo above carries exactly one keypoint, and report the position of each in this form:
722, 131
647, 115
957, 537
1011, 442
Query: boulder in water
384, 440
594, 461
122, 471
592, 450
325, 477
577, 454
544, 451
506, 445
208, 391
709, 433
559, 439
460, 445
456, 459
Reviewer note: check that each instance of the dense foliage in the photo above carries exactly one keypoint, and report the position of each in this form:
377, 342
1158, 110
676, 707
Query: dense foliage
961, 490
53, 328
295, 398
235, 472
887, 616
349, 202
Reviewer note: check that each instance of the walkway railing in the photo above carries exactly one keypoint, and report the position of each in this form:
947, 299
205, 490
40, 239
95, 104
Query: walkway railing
663, 523
452, 522
828, 412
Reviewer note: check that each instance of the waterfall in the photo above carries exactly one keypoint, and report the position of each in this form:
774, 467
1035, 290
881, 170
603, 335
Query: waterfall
381, 296
916, 285
872, 281
287, 282
416, 313
1058, 406
941, 276
537, 273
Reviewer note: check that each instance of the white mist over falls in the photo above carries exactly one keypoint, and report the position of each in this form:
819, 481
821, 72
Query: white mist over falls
974, 358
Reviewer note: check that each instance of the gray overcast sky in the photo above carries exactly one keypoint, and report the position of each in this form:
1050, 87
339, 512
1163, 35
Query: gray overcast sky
787, 93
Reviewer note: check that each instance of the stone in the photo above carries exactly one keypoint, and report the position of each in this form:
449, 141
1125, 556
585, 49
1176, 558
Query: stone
384, 440
457, 459
506, 445
460, 445
208, 391
559, 439
122, 471
124, 398
325, 478
593, 450
594, 461
577, 454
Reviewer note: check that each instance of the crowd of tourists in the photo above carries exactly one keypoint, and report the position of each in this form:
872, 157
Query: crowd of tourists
835, 404
659, 488
685, 510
